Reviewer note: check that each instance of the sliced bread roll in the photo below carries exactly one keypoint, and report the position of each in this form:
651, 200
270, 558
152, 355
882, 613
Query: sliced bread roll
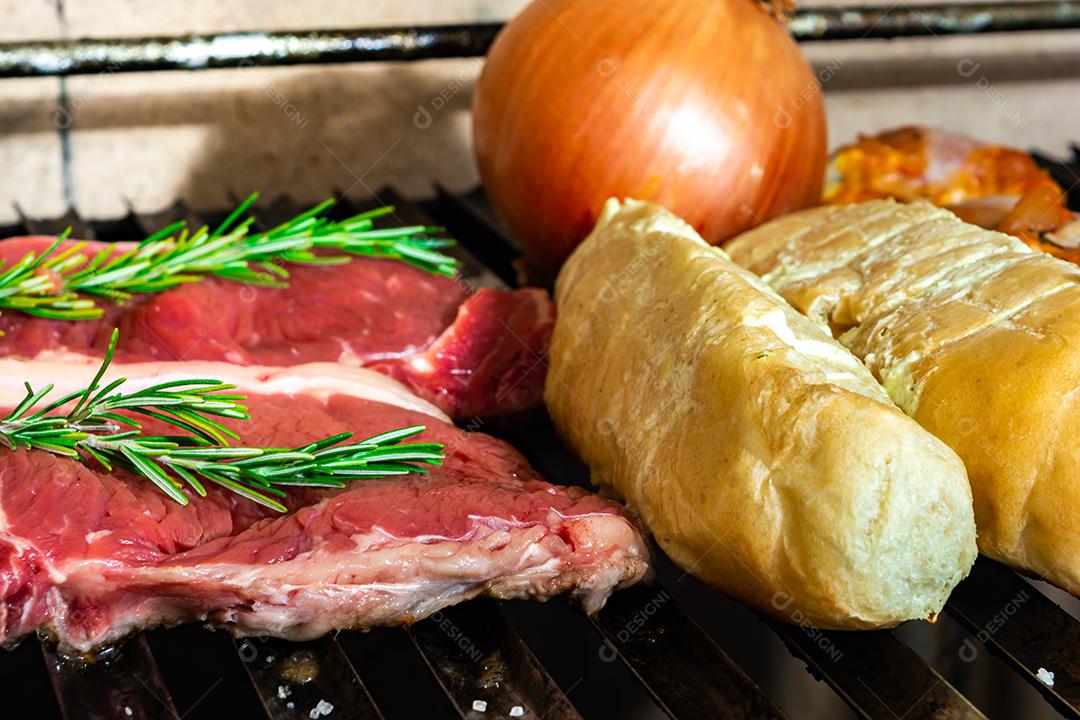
973, 334
762, 455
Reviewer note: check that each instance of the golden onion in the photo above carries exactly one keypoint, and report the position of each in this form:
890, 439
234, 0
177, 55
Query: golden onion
704, 106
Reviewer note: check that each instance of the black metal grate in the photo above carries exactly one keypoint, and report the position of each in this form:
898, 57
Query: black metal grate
675, 648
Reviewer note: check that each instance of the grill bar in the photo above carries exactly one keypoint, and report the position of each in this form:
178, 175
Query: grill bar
1017, 622
477, 656
203, 672
395, 673
249, 49
126, 683
293, 679
244, 49
879, 676
685, 671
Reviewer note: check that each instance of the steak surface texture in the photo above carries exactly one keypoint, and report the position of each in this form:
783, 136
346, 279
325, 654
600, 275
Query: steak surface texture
90, 556
473, 354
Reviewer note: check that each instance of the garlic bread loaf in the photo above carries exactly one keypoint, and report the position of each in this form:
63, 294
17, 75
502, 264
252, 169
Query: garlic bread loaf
763, 457
973, 334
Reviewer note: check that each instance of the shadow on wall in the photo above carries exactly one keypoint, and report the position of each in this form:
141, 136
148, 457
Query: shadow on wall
210, 137
149, 138
340, 131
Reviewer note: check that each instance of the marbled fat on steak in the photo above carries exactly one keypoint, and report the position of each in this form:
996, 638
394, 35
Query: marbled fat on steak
473, 355
90, 556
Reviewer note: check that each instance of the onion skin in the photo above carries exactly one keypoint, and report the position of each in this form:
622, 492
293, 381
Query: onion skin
704, 106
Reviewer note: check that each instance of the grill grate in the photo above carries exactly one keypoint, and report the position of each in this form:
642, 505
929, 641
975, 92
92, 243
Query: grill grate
129, 681
676, 648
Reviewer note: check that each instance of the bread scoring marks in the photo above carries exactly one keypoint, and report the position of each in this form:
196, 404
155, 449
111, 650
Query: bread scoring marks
838, 366
791, 267
905, 376
897, 281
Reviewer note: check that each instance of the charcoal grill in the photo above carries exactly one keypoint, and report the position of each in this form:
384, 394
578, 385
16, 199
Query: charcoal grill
676, 648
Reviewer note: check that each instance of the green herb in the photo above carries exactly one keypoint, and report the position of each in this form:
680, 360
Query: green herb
55, 283
93, 430
30, 285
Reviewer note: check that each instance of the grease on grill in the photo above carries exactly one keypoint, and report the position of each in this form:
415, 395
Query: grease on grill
300, 668
492, 673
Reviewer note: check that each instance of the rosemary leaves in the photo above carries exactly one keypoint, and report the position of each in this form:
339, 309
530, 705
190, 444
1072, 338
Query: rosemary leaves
28, 285
63, 282
100, 428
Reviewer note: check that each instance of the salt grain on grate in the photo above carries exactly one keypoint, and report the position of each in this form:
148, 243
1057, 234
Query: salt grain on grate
1046, 676
323, 708
479, 705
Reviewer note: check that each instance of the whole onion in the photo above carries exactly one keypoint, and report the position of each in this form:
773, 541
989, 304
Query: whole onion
704, 106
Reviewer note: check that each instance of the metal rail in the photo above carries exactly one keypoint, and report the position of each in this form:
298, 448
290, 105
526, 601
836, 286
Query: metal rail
902, 20
250, 49
242, 49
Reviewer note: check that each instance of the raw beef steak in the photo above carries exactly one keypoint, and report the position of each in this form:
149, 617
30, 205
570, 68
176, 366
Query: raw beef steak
90, 556
473, 355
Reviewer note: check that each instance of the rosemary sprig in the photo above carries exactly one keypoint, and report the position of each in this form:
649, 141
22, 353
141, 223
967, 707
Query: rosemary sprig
93, 430
52, 284
35, 285
167, 259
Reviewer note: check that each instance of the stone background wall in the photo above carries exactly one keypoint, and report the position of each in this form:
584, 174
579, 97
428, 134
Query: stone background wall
142, 140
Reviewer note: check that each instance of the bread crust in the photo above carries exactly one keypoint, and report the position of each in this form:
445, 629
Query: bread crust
763, 457
974, 335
